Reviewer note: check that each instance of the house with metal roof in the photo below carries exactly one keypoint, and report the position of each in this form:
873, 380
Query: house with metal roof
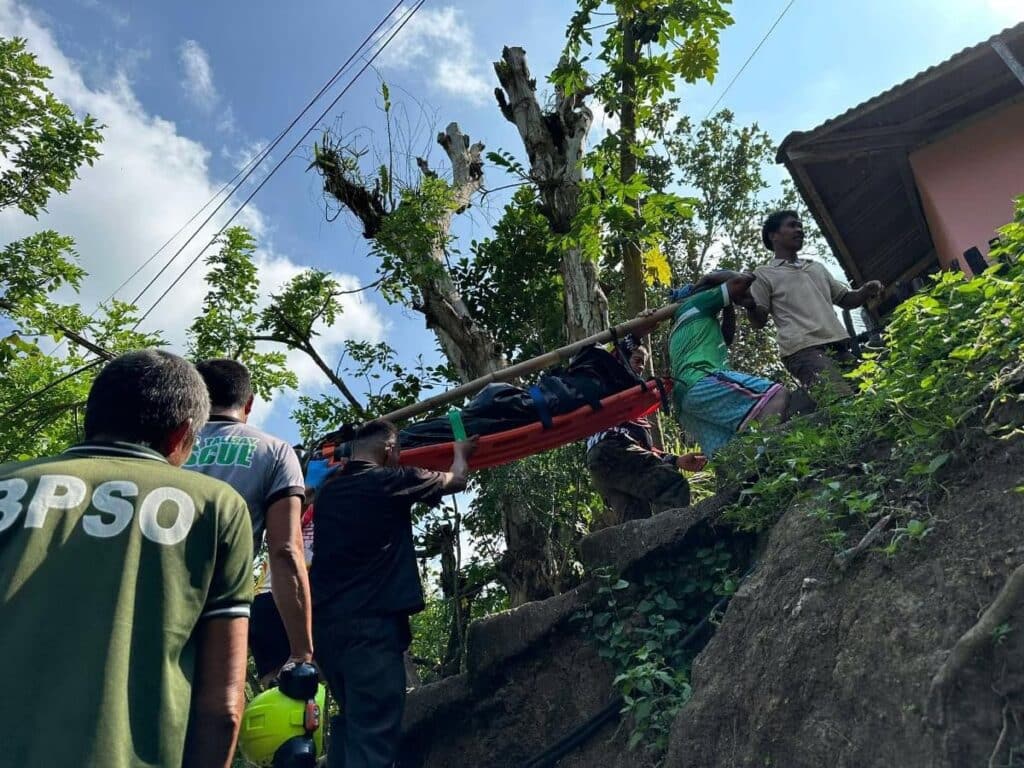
919, 177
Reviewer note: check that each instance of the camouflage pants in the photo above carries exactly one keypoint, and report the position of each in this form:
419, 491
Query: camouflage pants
632, 480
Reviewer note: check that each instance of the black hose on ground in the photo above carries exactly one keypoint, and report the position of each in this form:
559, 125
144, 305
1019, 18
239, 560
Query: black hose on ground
577, 737
582, 733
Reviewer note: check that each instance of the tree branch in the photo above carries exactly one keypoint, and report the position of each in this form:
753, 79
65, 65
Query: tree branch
847, 556
334, 379
304, 345
554, 143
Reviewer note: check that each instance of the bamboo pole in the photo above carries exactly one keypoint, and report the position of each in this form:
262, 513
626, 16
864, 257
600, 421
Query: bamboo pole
641, 325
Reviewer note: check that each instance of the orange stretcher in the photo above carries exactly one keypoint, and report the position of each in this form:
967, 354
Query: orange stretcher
510, 445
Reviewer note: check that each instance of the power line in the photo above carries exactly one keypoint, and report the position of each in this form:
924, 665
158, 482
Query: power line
266, 154
395, 30
171, 239
26, 400
246, 169
750, 58
93, 363
257, 158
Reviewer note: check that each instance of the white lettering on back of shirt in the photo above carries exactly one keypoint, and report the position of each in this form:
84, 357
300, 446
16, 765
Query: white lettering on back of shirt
54, 492
10, 505
185, 515
104, 500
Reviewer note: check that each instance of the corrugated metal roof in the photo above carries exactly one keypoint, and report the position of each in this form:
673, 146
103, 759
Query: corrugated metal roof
854, 172
1010, 33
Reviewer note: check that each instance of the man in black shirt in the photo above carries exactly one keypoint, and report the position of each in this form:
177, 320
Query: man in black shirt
365, 586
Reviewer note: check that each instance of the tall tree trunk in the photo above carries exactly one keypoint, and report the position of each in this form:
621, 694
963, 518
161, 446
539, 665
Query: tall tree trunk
554, 143
468, 347
632, 258
528, 570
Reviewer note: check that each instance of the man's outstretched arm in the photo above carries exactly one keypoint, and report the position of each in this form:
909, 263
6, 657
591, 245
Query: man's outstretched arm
860, 297
290, 583
218, 693
759, 309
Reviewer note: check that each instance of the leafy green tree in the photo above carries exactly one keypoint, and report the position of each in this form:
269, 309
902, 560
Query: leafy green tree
226, 322
641, 57
42, 142
43, 145
512, 285
411, 237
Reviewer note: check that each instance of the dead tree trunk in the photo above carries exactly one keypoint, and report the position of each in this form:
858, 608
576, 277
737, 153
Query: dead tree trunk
468, 347
554, 143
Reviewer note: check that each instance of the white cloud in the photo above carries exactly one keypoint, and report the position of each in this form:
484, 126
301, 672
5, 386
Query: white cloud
1010, 11
241, 155
118, 17
148, 182
198, 80
603, 122
439, 43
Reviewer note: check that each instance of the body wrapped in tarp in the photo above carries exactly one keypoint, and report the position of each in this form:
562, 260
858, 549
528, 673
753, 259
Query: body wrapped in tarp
591, 376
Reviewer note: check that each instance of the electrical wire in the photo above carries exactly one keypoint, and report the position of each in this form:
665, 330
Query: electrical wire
248, 169
160, 250
750, 58
57, 382
395, 30
265, 154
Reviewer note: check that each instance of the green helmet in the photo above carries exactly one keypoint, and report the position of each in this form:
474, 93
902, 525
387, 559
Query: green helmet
273, 718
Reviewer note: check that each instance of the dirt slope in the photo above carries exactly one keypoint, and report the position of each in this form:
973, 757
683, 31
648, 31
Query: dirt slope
810, 666
813, 667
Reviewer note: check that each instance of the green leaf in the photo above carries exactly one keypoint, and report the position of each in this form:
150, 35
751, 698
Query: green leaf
937, 462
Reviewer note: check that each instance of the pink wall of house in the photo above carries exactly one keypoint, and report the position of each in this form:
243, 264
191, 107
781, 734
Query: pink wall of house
968, 181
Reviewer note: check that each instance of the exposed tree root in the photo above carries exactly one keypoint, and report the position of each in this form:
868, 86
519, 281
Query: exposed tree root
970, 643
998, 748
847, 556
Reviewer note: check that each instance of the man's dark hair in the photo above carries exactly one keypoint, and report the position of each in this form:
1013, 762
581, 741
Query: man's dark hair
140, 397
772, 224
375, 431
227, 381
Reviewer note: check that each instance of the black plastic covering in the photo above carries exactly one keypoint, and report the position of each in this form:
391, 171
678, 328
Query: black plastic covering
590, 375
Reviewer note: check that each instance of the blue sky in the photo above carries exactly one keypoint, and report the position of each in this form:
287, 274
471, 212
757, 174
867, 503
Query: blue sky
188, 90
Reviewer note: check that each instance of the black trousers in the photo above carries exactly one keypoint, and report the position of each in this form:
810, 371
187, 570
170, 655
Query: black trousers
361, 657
268, 638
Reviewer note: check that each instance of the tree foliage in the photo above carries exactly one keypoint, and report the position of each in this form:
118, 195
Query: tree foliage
43, 145
225, 325
41, 140
512, 283
639, 61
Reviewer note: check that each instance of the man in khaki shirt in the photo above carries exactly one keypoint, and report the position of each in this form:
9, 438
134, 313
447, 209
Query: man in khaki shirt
798, 294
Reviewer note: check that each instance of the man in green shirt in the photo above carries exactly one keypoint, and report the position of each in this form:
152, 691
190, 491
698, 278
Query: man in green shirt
713, 402
125, 585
